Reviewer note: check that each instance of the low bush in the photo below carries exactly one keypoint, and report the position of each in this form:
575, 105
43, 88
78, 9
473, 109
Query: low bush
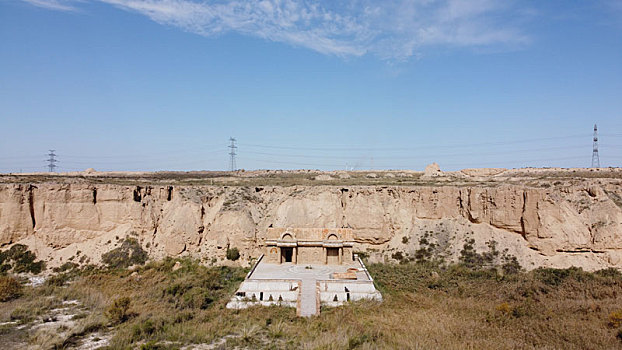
57, 280
143, 330
504, 308
555, 277
510, 265
233, 254
119, 312
68, 266
129, 253
615, 319
399, 256
609, 273
10, 288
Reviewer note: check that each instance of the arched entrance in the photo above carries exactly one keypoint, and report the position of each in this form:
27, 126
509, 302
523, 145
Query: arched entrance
332, 253
288, 253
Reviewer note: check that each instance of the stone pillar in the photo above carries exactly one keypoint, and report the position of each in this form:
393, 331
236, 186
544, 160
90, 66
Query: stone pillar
340, 255
325, 254
295, 255
280, 256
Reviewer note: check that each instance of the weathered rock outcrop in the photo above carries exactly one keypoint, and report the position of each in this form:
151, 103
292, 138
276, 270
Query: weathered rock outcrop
562, 224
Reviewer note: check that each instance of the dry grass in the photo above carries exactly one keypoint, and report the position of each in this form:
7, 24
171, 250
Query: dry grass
425, 307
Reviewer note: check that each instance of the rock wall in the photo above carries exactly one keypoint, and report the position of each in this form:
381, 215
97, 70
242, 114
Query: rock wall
562, 225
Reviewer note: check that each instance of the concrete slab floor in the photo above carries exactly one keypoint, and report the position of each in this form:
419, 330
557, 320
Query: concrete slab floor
313, 272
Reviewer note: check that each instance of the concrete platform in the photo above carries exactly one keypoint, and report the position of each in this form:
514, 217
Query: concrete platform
307, 287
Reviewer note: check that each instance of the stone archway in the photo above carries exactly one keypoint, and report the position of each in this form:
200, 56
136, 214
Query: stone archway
288, 254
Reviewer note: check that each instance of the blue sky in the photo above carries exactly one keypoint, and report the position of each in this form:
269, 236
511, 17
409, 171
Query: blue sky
163, 84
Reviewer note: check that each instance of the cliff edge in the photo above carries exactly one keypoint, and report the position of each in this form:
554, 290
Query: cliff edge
544, 217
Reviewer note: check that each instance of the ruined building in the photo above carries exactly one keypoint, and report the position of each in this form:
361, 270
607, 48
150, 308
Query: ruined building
309, 246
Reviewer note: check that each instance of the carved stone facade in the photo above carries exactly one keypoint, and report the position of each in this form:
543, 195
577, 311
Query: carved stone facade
309, 246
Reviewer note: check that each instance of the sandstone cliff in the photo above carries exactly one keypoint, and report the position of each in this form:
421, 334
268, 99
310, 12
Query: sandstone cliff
544, 220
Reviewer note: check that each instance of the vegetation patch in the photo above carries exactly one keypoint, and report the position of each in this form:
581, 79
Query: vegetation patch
19, 259
428, 251
426, 304
233, 254
129, 253
10, 288
68, 266
118, 312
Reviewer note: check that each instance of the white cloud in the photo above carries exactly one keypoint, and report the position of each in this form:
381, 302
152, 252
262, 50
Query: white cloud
59, 5
390, 29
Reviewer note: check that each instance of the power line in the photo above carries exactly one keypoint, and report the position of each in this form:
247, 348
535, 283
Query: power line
233, 147
336, 157
419, 155
169, 152
393, 166
595, 157
52, 160
461, 145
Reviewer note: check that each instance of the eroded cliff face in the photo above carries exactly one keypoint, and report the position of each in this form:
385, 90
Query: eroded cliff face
559, 225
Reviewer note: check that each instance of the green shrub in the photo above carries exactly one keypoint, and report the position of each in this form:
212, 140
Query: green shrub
470, 258
118, 312
191, 294
129, 253
609, 273
399, 256
19, 259
428, 251
57, 280
555, 277
233, 254
10, 288
143, 329
68, 266
198, 298
510, 265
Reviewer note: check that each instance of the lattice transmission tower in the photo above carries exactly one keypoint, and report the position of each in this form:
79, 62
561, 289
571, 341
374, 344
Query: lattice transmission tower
233, 147
52, 160
595, 158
